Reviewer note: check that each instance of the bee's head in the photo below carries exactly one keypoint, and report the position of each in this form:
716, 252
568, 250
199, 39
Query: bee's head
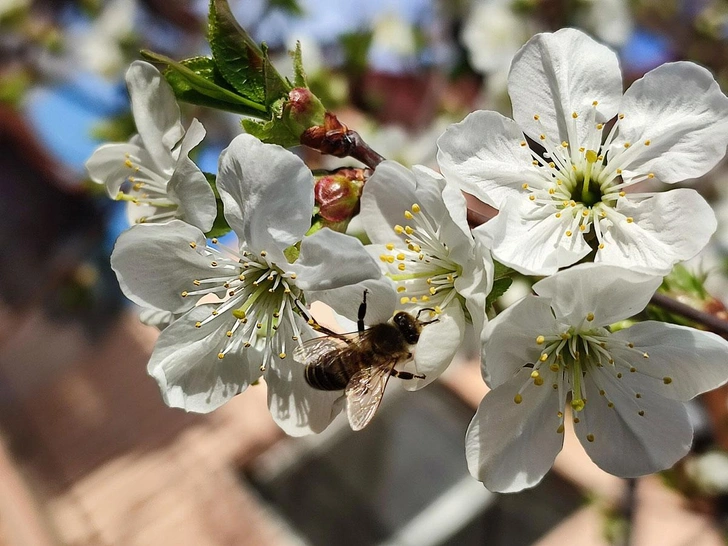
409, 326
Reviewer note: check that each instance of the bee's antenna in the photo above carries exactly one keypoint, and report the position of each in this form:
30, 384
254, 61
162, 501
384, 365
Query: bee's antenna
425, 323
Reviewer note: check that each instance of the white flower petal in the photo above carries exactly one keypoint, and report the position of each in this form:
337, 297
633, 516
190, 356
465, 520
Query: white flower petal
667, 228
510, 338
296, 407
267, 193
484, 155
681, 110
557, 74
185, 363
155, 264
381, 300
624, 442
156, 317
530, 240
474, 284
330, 259
610, 293
195, 199
391, 191
156, 113
437, 346
683, 362
510, 446
107, 165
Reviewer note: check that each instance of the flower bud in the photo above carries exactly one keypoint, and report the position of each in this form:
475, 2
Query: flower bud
337, 194
302, 110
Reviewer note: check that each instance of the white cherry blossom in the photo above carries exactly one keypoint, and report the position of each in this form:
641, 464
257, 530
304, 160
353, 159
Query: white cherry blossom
569, 192
625, 389
422, 239
215, 350
153, 171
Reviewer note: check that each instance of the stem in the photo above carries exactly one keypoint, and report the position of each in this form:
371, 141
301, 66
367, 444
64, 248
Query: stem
363, 152
711, 322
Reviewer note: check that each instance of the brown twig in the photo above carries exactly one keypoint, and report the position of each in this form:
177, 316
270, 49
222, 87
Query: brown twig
711, 322
335, 138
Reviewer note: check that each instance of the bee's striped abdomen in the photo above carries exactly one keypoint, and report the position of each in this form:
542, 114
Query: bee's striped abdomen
332, 372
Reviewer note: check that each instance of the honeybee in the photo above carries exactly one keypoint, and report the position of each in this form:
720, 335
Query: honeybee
361, 362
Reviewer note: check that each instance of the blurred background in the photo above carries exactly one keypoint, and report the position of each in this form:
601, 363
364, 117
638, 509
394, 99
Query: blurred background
90, 455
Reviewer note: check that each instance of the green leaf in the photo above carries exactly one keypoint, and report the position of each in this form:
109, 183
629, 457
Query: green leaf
220, 227
197, 81
501, 271
273, 131
500, 287
242, 63
290, 6
299, 78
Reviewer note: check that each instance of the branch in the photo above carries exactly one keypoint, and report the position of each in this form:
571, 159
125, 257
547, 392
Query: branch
335, 138
711, 322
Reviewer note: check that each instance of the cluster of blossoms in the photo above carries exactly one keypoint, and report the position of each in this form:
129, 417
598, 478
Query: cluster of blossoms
562, 176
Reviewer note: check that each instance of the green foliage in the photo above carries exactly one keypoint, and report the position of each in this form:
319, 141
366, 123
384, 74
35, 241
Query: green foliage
273, 131
356, 51
244, 65
299, 78
198, 81
686, 287
501, 283
220, 227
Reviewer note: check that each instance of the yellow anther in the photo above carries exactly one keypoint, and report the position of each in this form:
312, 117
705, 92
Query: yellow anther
413, 299
552, 191
651, 175
629, 219
540, 340
398, 230
560, 430
558, 215
241, 277
184, 294
633, 369
538, 381
214, 312
523, 143
128, 163
401, 289
196, 282
582, 227
438, 310
590, 437
554, 367
193, 244
401, 267
535, 374
213, 263
627, 145
532, 197
645, 355
585, 213
647, 142
602, 392
416, 208
229, 333
601, 246
622, 193
542, 137
591, 156
408, 230
390, 259
619, 171
564, 144
239, 314
595, 103
408, 215
403, 300
220, 355
390, 246
544, 357
621, 116
600, 126
574, 115
568, 233
401, 256
214, 240
610, 405
590, 317
667, 380
619, 375
433, 290
425, 298
281, 355
524, 186
536, 117
518, 399
198, 324
293, 276
263, 253
552, 164
534, 163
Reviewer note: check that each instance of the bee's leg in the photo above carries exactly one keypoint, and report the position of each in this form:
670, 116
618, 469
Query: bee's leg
362, 312
314, 323
406, 375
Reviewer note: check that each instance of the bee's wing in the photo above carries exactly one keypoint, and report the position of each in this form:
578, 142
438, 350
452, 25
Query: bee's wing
312, 349
364, 393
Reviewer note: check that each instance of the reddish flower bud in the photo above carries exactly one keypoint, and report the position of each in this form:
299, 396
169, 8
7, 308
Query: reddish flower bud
337, 195
302, 110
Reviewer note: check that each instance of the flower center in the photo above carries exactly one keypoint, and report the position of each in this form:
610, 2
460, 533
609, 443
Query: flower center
146, 187
567, 357
257, 298
581, 181
425, 272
